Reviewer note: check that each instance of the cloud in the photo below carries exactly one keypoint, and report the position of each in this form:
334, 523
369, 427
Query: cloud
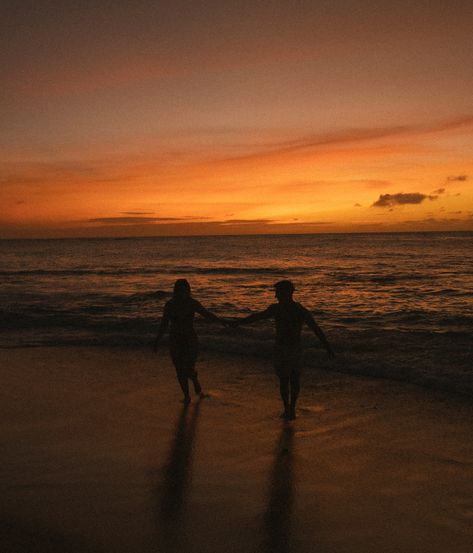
352, 136
316, 223
197, 225
439, 191
389, 200
176, 220
245, 221
434, 220
138, 213
357, 205
457, 178
131, 220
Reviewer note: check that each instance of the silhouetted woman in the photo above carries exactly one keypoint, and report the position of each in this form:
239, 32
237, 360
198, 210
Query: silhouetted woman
179, 314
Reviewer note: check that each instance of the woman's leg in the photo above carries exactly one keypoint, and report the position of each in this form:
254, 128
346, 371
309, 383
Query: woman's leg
183, 382
192, 360
183, 358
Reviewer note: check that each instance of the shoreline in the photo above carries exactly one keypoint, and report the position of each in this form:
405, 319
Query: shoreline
314, 360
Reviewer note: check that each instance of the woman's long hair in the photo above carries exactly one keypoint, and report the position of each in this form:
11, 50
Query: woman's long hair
182, 289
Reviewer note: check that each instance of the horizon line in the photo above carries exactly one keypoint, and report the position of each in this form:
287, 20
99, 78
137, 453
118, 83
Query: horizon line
238, 235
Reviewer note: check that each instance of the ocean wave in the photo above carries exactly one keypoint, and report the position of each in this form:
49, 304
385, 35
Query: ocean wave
131, 311
380, 279
451, 292
246, 270
145, 296
156, 271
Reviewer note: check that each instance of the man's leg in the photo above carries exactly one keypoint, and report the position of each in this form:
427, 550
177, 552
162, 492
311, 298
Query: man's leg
197, 386
284, 390
295, 389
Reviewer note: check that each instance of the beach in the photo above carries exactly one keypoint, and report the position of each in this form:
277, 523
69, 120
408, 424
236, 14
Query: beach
99, 455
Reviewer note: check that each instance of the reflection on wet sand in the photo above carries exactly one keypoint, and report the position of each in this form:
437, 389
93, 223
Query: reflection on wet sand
26, 536
281, 498
172, 496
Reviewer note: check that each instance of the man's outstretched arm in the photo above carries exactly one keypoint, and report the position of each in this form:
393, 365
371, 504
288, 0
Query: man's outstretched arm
254, 317
310, 322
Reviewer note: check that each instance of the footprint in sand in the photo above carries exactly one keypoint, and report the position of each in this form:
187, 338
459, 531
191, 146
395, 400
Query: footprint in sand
312, 409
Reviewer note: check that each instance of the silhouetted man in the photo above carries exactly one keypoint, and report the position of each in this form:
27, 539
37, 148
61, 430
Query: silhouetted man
289, 317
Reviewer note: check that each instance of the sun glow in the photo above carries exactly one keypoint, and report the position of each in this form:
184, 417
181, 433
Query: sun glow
210, 137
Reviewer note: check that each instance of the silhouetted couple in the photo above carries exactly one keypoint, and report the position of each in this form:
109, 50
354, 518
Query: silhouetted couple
289, 317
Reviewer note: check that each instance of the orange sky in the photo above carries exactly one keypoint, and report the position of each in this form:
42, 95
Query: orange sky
212, 118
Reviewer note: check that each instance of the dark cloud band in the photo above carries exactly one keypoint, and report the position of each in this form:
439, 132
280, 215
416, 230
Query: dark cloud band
390, 200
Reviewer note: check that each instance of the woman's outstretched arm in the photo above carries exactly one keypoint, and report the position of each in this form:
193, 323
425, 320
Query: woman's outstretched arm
201, 310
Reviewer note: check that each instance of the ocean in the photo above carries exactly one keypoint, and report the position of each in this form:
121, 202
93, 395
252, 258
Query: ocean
394, 306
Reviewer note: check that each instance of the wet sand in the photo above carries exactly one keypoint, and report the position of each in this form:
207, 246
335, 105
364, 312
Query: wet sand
98, 455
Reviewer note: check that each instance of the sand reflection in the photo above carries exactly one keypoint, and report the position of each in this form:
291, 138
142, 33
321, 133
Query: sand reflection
281, 497
172, 498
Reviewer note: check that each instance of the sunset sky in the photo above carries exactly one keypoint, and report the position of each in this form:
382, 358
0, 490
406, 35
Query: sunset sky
170, 118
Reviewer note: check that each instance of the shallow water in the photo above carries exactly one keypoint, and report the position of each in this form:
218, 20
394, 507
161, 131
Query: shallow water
397, 305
